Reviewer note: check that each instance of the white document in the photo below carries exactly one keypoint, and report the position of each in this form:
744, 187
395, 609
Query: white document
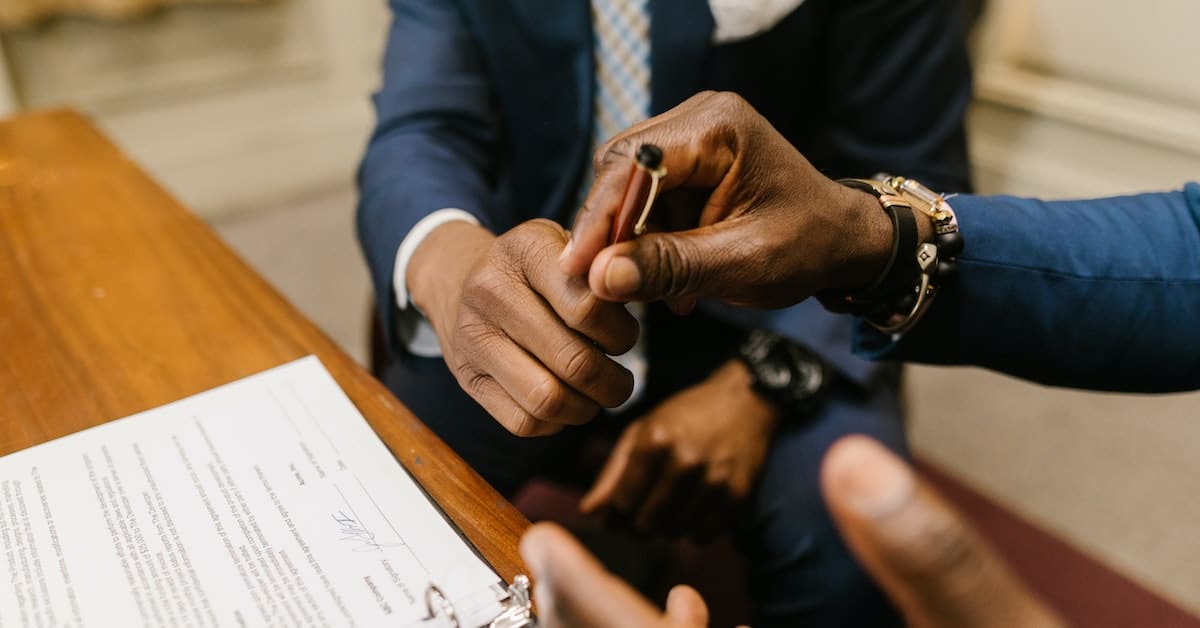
265, 502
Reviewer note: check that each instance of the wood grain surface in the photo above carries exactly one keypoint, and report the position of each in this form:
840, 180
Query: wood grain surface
115, 299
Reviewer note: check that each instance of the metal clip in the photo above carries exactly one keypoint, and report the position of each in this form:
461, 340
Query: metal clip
440, 608
518, 608
517, 613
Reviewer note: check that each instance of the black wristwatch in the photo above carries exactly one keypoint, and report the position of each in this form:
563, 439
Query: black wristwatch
788, 374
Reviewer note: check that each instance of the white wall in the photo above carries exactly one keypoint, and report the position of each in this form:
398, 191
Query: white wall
1081, 98
230, 107
1087, 97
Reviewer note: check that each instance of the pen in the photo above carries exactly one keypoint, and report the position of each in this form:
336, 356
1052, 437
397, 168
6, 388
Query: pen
640, 192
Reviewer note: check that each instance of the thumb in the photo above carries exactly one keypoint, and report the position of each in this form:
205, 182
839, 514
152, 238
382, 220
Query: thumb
703, 262
685, 608
924, 555
572, 588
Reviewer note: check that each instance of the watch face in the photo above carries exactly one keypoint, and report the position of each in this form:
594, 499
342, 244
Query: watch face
775, 375
810, 375
785, 372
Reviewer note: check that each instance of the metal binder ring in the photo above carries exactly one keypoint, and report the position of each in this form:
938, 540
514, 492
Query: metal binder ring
437, 604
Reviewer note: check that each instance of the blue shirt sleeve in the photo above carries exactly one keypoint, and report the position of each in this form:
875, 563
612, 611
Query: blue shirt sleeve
1099, 294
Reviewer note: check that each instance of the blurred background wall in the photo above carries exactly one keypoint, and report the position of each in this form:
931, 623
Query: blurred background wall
255, 116
232, 107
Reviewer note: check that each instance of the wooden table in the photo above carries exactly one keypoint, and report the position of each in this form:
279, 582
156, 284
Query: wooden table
115, 299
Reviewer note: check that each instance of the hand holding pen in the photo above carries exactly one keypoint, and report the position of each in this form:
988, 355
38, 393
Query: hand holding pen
763, 228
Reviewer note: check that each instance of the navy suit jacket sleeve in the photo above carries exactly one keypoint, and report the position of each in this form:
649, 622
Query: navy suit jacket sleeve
1101, 294
434, 143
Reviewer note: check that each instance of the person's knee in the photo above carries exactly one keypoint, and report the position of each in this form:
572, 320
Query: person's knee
801, 572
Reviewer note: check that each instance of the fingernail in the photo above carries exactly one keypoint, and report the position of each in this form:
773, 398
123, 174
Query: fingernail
872, 480
622, 277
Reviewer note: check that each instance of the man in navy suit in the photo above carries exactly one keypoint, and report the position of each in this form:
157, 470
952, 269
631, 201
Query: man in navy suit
488, 115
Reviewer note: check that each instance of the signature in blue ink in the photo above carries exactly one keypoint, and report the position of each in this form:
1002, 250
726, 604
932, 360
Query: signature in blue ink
354, 532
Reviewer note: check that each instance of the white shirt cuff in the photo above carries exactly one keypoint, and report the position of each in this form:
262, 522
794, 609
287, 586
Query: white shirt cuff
413, 329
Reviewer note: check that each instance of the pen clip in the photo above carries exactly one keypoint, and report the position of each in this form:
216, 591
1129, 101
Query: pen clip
656, 177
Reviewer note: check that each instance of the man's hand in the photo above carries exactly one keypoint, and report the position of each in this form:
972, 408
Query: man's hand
768, 229
571, 588
681, 468
522, 338
927, 559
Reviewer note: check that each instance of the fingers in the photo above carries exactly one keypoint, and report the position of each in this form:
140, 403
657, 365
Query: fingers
921, 552
594, 221
696, 152
539, 392
571, 588
557, 320
568, 355
627, 476
608, 325
644, 480
709, 261
515, 355
498, 403
614, 468
685, 607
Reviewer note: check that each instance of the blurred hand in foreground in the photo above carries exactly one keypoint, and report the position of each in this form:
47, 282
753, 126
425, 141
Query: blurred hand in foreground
936, 570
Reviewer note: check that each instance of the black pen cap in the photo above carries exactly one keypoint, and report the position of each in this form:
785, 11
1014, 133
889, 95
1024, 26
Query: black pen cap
649, 156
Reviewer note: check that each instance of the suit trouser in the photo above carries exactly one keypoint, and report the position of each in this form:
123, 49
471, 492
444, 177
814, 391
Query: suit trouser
800, 573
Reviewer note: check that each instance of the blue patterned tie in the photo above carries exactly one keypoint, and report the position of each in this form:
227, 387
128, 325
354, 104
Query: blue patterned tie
622, 62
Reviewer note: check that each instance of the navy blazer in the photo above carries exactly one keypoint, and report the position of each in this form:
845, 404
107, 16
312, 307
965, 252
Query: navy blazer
1101, 294
486, 106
